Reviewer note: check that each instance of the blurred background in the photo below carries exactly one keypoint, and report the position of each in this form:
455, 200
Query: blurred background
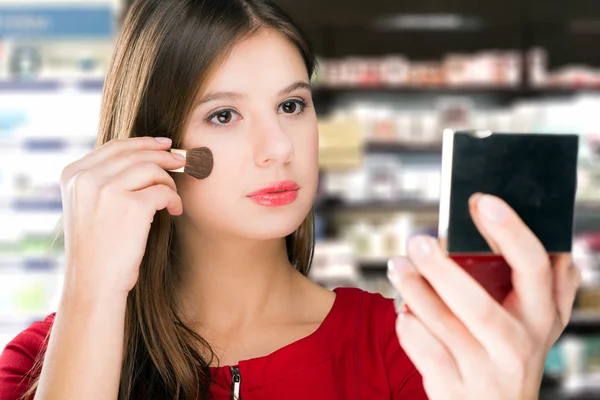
393, 75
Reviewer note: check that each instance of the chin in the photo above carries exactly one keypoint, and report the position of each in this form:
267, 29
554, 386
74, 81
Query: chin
272, 223
270, 233
248, 221
273, 226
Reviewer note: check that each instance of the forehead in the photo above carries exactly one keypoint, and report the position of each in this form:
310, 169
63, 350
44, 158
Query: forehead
265, 61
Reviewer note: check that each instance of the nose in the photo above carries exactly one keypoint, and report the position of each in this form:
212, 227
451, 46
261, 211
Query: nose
272, 144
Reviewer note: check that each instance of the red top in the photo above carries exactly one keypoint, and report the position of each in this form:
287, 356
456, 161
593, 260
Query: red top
354, 354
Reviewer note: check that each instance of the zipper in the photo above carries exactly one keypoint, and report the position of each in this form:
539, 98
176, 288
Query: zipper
236, 382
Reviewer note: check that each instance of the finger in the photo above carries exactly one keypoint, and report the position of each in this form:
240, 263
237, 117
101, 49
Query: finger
117, 146
161, 197
435, 364
427, 306
487, 320
531, 270
567, 278
143, 175
166, 160
114, 147
479, 224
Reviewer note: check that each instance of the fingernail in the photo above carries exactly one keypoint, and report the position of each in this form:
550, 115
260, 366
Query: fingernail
395, 266
178, 156
492, 209
163, 140
419, 247
474, 199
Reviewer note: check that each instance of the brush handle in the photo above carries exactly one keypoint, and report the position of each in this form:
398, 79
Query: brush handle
182, 152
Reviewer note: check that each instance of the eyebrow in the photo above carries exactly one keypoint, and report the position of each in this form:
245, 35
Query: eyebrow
233, 96
294, 86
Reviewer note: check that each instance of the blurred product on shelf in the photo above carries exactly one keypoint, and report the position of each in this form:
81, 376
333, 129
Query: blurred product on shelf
320, 227
586, 255
34, 186
582, 363
492, 68
27, 293
46, 119
390, 123
54, 42
389, 129
51, 77
569, 76
340, 144
24, 234
589, 181
575, 362
25, 62
334, 264
377, 239
588, 297
383, 180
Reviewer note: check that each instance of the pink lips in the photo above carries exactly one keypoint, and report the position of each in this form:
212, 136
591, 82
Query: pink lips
276, 194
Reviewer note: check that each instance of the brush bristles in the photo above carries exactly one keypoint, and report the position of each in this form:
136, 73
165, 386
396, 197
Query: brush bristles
199, 162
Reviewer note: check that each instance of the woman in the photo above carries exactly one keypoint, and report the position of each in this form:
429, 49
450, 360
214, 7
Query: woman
178, 288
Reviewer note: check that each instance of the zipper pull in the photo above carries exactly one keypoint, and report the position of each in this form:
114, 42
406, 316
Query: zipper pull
236, 380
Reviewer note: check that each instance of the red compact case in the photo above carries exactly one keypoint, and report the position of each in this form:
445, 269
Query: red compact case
536, 174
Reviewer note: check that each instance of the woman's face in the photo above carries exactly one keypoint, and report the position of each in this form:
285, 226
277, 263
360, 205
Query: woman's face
257, 117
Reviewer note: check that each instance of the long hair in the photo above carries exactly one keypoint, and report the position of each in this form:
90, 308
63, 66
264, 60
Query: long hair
164, 55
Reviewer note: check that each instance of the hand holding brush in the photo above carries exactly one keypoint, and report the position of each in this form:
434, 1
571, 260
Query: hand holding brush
110, 197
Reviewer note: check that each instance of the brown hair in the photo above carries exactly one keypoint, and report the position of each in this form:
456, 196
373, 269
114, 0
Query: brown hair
164, 56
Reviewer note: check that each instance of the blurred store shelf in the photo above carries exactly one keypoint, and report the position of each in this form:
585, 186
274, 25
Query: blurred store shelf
45, 85
457, 88
559, 394
397, 147
27, 263
47, 144
582, 209
372, 264
581, 387
584, 322
12, 323
335, 205
35, 204
585, 208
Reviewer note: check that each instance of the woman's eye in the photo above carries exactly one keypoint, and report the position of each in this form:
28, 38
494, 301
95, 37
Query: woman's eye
222, 117
293, 107
226, 117
289, 107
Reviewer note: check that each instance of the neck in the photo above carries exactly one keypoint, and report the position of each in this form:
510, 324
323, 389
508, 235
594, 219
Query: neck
232, 283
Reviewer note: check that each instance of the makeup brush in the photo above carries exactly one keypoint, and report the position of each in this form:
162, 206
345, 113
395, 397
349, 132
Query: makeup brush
199, 162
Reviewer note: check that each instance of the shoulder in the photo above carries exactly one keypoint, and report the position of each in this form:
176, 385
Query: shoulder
374, 310
378, 342
20, 355
374, 320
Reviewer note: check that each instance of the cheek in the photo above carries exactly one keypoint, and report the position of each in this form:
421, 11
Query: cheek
307, 150
219, 188
305, 136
